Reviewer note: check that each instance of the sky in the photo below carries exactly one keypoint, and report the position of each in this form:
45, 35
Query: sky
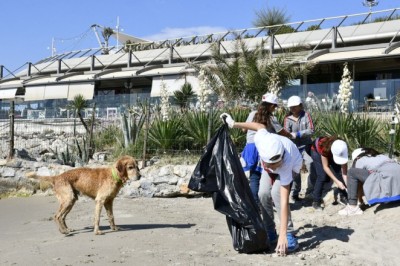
28, 27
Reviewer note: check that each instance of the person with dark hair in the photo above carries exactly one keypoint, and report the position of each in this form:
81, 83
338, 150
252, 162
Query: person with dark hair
330, 157
250, 159
300, 124
379, 176
279, 156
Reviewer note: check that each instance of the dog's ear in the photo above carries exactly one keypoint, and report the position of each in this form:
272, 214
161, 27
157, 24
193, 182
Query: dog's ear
121, 166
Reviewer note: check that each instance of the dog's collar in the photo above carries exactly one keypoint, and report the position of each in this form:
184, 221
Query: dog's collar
115, 176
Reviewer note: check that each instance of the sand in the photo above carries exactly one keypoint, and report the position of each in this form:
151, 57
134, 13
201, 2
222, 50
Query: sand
187, 231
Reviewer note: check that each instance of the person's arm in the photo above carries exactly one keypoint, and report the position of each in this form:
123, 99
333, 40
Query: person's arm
248, 125
327, 169
309, 130
344, 173
282, 245
285, 133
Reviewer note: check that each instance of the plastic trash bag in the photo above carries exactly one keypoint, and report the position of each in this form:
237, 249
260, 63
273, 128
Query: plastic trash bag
220, 173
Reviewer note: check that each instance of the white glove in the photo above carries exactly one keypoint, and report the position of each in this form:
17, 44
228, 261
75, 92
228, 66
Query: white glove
228, 119
294, 135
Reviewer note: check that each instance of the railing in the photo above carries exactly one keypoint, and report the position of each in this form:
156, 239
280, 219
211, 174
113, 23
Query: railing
318, 31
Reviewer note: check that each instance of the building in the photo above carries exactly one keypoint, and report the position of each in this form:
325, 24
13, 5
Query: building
120, 76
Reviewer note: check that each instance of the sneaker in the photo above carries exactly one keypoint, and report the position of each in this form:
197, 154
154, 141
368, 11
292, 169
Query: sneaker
272, 236
292, 242
350, 211
317, 206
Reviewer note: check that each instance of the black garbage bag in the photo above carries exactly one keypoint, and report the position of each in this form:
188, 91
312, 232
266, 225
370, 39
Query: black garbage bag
220, 173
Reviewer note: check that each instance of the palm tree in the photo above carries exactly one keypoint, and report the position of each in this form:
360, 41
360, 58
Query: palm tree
77, 106
248, 74
106, 33
183, 96
273, 16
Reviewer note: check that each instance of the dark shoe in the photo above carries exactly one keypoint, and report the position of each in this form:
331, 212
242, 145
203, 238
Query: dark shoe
317, 206
343, 201
296, 198
272, 236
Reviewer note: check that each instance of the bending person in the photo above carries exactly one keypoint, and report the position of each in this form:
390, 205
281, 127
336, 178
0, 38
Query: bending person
378, 175
330, 159
279, 155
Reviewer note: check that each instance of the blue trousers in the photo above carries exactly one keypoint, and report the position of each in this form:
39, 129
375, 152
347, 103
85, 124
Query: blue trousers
255, 177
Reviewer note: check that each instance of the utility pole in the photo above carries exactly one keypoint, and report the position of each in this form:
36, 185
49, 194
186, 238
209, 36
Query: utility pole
370, 4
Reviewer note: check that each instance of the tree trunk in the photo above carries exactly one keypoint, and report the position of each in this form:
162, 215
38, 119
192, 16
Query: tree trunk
11, 116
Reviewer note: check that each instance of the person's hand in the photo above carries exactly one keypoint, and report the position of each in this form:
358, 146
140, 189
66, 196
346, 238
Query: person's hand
282, 245
340, 185
227, 119
294, 135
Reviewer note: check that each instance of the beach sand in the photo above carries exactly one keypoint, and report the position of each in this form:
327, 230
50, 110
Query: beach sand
186, 231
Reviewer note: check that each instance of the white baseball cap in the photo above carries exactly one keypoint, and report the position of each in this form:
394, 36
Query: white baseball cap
294, 101
270, 98
269, 147
356, 153
340, 152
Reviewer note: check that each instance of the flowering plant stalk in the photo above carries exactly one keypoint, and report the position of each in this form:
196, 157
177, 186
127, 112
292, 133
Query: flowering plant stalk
204, 91
345, 90
164, 100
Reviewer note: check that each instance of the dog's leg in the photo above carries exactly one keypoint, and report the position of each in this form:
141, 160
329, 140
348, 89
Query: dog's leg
99, 205
66, 199
108, 205
61, 214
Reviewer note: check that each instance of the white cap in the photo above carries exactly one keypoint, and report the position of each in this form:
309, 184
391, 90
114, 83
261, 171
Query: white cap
270, 148
339, 151
270, 98
294, 101
356, 153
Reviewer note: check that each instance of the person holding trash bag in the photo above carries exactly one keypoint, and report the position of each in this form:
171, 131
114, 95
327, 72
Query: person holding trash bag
279, 155
263, 115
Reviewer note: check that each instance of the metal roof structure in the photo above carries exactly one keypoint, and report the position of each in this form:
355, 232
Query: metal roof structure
333, 39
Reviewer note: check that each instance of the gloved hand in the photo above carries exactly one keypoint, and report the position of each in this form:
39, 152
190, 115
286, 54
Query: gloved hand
227, 119
294, 135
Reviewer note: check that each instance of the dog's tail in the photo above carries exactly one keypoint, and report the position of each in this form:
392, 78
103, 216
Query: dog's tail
48, 179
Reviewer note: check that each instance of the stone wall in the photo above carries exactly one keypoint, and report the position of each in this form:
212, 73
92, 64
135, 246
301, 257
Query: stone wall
157, 180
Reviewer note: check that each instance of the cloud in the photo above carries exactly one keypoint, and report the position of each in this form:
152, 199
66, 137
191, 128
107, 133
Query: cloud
173, 33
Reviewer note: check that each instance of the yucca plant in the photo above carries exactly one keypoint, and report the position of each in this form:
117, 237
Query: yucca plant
196, 127
238, 136
368, 132
337, 124
166, 134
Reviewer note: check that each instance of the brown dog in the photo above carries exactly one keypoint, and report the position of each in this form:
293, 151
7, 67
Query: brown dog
100, 184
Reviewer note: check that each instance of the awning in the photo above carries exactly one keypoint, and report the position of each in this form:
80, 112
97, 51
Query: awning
62, 91
337, 56
7, 94
172, 83
35, 93
87, 90
56, 92
12, 83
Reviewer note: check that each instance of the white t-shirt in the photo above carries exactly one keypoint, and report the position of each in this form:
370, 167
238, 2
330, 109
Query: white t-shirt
292, 160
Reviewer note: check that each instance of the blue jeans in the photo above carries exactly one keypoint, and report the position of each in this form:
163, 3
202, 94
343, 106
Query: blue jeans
255, 177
